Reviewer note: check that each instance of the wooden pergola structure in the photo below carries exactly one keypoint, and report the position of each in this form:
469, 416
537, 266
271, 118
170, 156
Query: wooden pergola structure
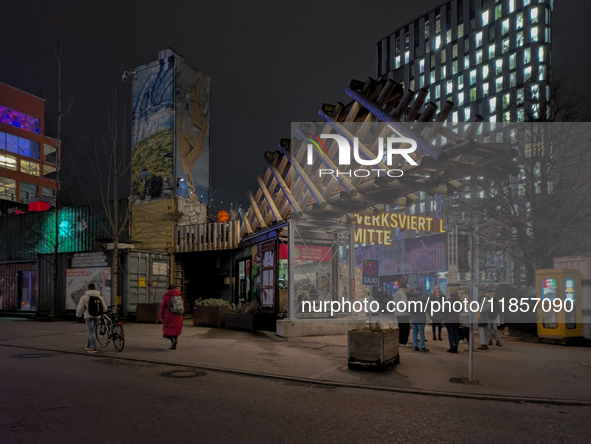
291, 189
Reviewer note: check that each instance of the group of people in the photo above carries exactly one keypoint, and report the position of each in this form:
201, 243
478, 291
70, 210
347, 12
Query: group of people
172, 323
457, 323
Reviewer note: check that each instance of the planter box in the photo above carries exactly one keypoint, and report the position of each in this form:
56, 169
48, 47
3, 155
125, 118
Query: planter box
377, 350
209, 316
148, 313
240, 321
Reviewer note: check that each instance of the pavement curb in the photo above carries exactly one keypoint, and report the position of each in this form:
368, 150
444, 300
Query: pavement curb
459, 395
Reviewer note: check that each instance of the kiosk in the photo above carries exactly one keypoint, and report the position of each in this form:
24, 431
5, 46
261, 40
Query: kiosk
559, 288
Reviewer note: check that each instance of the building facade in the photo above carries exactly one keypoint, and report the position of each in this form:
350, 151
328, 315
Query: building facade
28, 159
488, 57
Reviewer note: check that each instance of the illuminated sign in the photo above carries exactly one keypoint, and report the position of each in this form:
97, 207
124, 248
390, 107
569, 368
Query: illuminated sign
378, 229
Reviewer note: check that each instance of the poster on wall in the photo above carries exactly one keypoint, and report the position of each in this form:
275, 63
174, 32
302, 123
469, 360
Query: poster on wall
152, 135
192, 114
77, 280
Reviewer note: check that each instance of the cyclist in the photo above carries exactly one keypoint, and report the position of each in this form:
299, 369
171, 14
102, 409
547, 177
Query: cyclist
92, 306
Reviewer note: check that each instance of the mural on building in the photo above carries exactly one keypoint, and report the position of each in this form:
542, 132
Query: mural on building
192, 112
152, 130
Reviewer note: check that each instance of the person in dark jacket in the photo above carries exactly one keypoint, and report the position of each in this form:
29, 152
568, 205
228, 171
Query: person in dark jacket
451, 318
172, 324
418, 319
437, 316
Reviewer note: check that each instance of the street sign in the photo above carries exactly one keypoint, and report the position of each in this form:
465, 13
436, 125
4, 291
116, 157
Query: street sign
370, 270
452, 274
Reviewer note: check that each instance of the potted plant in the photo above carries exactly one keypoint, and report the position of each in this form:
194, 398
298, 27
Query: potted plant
210, 312
373, 347
243, 316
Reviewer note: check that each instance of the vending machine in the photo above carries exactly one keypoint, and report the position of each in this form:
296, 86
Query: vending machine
559, 307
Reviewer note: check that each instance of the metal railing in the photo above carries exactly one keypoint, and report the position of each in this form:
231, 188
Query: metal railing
207, 237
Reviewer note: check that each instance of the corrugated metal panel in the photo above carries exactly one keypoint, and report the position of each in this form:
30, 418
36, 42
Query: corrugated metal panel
9, 284
45, 283
80, 228
147, 275
418, 255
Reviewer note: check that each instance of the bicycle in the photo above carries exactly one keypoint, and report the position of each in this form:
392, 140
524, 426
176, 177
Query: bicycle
108, 329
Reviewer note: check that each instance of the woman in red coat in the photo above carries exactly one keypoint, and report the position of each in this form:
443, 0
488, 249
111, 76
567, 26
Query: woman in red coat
172, 324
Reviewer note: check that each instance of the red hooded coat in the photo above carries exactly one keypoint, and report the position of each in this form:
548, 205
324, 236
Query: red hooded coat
172, 324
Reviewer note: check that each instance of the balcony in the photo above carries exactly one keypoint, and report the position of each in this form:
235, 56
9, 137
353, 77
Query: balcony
207, 237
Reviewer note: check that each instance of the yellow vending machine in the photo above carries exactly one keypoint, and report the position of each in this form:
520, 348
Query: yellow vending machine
559, 309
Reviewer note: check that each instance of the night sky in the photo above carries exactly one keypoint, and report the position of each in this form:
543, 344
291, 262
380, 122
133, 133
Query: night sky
270, 62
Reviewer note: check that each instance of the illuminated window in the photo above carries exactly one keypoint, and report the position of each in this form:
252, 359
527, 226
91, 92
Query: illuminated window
520, 96
426, 29
479, 39
485, 89
7, 188
499, 66
472, 94
535, 92
472, 77
406, 57
525, 2
422, 207
466, 62
505, 45
499, 84
498, 12
512, 80
512, 61
454, 67
507, 116
437, 41
491, 51
8, 162
519, 39
18, 119
506, 100
454, 51
461, 82
527, 74
535, 109
460, 99
437, 91
397, 64
432, 77
448, 36
534, 34
520, 114
492, 104
437, 23
48, 191
492, 119
478, 57
50, 153
485, 72
485, 18
460, 30
541, 54
422, 66
511, 6
412, 209
534, 15
450, 86
48, 170
421, 81
443, 72
467, 114
443, 56
526, 56
30, 168
505, 27
541, 72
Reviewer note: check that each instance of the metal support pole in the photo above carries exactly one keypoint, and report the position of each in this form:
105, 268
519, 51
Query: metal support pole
471, 333
351, 262
290, 269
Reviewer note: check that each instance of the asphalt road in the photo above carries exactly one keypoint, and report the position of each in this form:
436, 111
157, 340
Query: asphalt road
48, 397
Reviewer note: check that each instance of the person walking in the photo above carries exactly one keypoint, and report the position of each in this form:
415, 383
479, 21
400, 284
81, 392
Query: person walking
171, 313
493, 327
418, 319
451, 318
91, 306
465, 321
483, 301
402, 316
436, 316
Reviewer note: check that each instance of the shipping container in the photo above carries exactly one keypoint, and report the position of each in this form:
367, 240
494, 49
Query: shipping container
146, 278
45, 267
18, 286
583, 264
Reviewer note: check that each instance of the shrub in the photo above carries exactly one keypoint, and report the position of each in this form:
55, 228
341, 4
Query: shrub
211, 302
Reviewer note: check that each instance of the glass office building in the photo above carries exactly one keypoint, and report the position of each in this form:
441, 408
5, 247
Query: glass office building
488, 57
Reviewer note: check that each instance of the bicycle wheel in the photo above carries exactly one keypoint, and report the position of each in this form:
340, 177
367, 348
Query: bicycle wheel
118, 337
101, 331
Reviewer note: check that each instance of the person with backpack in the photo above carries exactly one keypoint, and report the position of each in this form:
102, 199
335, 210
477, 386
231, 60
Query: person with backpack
91, 306
171, 313
418, 319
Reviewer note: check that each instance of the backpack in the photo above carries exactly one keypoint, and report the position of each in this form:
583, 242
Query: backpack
177, 305
95, 306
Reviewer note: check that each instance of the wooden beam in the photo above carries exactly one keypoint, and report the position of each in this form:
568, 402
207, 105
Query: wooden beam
290, 199
306, 179
245, 221
255, 209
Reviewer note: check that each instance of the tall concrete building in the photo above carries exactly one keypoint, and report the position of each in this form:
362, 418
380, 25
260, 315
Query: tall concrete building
489, 57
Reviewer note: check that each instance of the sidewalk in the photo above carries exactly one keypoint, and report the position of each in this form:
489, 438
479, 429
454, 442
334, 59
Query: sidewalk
516, 369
